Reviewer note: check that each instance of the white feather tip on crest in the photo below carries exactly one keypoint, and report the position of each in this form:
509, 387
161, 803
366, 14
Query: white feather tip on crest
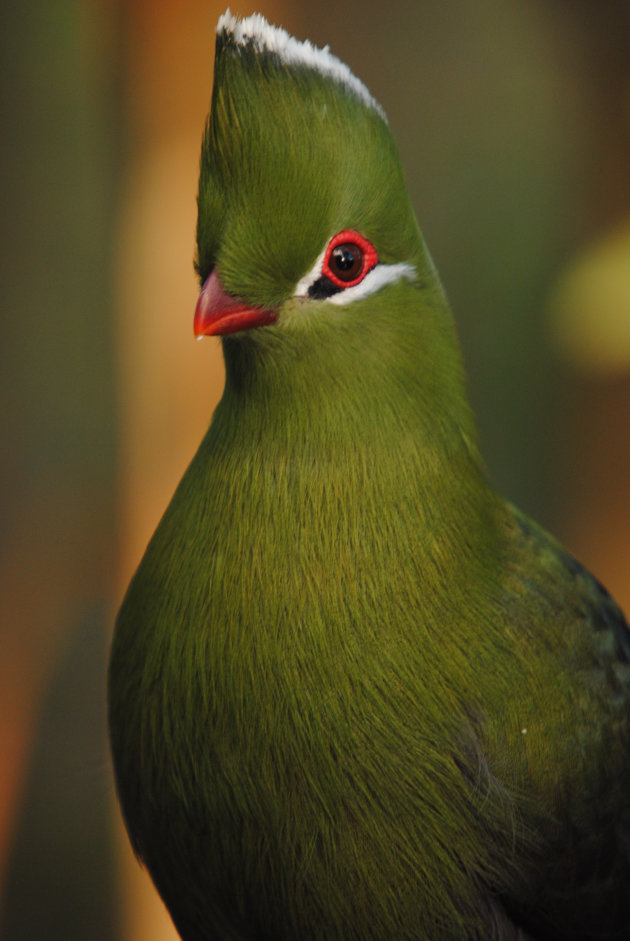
267, 38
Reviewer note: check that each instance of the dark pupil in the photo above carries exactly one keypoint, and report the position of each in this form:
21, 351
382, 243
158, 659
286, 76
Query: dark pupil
346, 261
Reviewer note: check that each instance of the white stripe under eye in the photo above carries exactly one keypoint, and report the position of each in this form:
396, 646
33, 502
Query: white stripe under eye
374, 280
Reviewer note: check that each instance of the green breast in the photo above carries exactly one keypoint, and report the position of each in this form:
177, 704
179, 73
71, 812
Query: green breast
329, 692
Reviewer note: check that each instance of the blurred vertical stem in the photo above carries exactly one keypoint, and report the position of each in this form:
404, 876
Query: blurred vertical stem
58, 173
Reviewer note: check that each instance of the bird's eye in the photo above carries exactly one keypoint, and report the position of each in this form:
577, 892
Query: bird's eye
348, 259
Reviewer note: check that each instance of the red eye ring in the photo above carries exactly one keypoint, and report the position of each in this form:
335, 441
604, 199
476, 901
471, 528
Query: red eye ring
365, 259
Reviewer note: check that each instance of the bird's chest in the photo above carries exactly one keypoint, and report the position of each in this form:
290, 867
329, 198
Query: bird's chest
293, 633
288, 637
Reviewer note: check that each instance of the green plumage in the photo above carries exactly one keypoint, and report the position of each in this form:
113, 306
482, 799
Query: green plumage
354, 694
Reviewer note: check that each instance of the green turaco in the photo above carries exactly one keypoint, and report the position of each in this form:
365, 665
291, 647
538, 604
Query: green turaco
355, 695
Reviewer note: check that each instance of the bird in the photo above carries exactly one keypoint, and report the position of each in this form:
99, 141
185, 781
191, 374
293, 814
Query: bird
354, 694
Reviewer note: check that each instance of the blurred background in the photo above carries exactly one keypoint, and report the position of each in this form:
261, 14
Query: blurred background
513, 120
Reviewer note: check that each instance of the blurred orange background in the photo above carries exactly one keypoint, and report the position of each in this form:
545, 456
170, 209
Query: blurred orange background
513, 121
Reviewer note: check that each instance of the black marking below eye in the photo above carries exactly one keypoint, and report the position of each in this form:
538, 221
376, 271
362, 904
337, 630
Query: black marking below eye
323, 288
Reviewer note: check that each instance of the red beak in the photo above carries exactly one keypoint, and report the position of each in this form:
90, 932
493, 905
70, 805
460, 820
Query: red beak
218, 313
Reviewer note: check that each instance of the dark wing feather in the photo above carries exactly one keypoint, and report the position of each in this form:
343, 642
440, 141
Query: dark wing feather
585, 889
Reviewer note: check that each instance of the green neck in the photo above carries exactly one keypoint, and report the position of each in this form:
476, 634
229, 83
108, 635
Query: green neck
345, 424
355, 379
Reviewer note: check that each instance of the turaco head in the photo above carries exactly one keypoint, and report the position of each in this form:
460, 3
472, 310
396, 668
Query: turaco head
306, 240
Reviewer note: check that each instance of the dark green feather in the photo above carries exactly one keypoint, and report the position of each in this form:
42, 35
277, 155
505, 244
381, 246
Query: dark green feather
353, 693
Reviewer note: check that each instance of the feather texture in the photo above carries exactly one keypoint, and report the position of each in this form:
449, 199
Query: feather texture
353, 693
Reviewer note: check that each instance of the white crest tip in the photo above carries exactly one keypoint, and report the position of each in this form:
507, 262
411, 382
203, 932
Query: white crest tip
255, 30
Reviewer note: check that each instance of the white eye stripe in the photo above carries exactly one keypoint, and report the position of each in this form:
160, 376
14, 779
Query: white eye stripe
301, 289
374, 280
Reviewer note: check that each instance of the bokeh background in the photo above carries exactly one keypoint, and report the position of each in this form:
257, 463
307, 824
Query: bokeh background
513, 120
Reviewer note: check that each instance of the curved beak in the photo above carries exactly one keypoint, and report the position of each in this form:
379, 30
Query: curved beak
217, 313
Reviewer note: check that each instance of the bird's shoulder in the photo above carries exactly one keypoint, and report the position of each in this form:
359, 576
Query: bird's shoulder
559, 580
